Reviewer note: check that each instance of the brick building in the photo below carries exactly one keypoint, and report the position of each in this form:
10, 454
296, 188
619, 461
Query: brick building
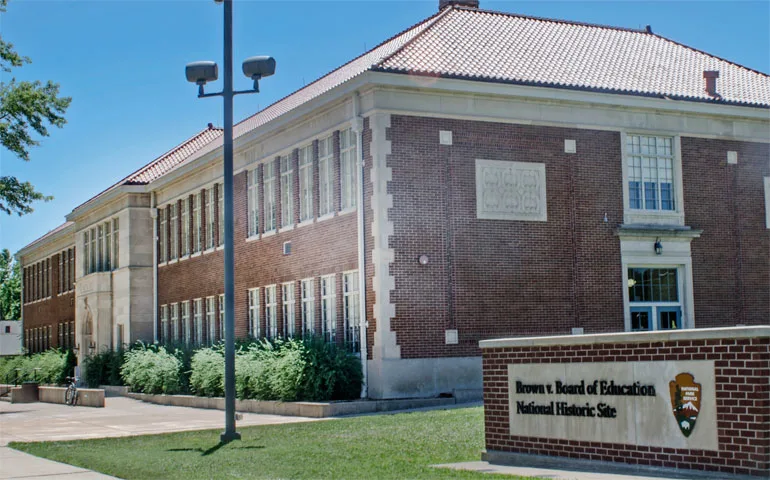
562, 178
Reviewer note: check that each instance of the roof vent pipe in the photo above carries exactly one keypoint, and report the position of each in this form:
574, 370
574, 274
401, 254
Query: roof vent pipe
442, 4
711, 82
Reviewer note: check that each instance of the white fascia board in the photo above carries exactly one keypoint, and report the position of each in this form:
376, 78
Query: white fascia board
103, 200
45, 244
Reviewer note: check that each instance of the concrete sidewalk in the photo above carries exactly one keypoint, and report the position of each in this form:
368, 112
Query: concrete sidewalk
19, 465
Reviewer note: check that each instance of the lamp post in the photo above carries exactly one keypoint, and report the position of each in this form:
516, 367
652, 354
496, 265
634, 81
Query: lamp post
201, 73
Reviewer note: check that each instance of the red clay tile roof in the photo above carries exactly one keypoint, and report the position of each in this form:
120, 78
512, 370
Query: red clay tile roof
481, 45
49, 234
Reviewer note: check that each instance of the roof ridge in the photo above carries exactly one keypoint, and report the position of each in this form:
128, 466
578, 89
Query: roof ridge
554, 20
389, 39
436, 18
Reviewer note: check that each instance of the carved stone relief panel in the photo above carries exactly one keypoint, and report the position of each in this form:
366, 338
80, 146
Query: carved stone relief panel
510, 191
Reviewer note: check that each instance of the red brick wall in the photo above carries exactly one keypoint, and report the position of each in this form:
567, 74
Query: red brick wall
731, 260
52, 311
491, 278
742, 394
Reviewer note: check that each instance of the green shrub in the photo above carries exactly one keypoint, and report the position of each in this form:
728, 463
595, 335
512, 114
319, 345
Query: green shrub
248, 370
8, 366
207, 372
151, 369
103, 368
49, 367
331, 373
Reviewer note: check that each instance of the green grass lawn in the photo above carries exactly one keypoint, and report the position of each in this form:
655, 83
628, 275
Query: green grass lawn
399, 446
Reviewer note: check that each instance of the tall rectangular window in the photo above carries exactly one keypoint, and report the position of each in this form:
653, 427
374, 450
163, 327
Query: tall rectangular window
328, 308
175, 321
94, 258
186, 330
348, 172
210, 218
173, 236
164, 323
72, 268
196, 223
221, 209
115, 244
308, 307
350, 310
650, 173
221, 317
162, 236
107, 246
289, 318
100, 249
184, 212
306, 183
253, 202
254, 329
271, 304
326, 176
287, 191
198, 320
653, 296
211, 316
60, 287
268, 187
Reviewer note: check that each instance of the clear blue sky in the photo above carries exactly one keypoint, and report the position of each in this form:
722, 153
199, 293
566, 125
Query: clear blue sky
122, 62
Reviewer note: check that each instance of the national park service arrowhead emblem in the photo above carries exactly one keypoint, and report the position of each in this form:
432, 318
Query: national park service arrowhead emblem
685, 400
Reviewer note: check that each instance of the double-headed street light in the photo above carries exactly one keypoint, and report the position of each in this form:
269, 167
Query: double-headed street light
201, 73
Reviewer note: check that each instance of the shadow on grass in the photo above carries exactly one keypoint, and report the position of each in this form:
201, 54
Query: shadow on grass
213, 449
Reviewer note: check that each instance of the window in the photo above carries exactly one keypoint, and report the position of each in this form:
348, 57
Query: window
253, 202
211, 315
107, 246
100, 264
254, 330
173, 234
308, 307
197, 234
325, 176
115, 243
289, 319
268, 187
198, 320
650, 173
210, 218
94, 264
60, 287
350, 310
119, 336
184, 212
348, 176
175, 321
654, 300
162, 236
100, 250
221, 316
287, 191
271, 322
186, 330
221, 210
306, 183
328, 309
164, 323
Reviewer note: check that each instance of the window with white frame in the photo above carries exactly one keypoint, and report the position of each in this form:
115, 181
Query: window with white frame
100, 247
221, 316
60, 287
175, 321
210, 218
164, 323
289, 318
94, 258
253, 201
254, 328
186, 330
328, 308
173, 234
198, 320
308, 307
650, 173
287, 191
184, 212
350, 310
348, 176
221, 202
654, 298
268, 188
107, 246
326, 176
306, 183
211, 316
115, 243
86, 256
197, 234
162, 236
100, 263
271, 305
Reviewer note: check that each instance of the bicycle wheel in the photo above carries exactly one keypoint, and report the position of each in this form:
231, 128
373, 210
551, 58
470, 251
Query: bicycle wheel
69, 395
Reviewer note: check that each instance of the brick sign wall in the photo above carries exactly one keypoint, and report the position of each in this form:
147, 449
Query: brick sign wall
740, 357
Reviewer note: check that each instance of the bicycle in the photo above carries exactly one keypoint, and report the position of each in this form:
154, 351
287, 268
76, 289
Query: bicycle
71, 394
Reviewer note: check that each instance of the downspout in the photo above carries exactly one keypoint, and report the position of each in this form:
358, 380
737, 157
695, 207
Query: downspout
358, 128
23, 291
154, 216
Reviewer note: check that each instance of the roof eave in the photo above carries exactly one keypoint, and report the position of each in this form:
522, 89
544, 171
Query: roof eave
47, 239
103, 200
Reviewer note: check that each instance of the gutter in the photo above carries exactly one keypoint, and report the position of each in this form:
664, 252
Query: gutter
358, 128
154, 216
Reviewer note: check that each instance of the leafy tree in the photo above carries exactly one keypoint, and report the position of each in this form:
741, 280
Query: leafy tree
26, 108
10, 287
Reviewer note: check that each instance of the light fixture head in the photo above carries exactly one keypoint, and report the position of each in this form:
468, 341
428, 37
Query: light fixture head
658, 247
423, 259
201, 73
258, 67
